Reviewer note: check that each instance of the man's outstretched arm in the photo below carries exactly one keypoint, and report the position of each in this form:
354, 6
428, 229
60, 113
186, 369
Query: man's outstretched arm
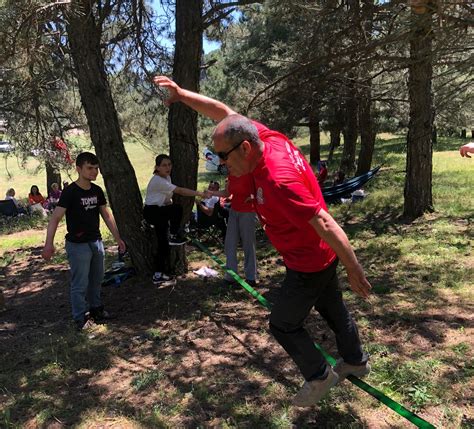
200, 103
328, 229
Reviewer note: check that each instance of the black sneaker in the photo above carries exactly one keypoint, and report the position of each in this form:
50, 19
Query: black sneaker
177, 239
145, 226
99, 315
252, 283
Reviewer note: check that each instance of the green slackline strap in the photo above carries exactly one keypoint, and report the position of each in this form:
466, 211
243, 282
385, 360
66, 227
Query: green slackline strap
395, 406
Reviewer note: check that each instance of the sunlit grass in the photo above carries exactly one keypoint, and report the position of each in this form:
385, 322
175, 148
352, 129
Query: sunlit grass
22, 176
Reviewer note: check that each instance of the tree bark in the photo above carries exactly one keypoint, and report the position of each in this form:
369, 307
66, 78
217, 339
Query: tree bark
335, 126
53, 175
84, 36
366, 127
182, 120
366, 121
350, 132
418, 182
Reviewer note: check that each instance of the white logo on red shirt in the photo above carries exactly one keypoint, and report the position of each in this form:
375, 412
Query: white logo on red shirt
296, 158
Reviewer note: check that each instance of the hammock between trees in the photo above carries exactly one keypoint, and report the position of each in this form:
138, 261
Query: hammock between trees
344, 190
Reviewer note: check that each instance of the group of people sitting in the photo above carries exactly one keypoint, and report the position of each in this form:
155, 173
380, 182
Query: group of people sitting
166, 218
36, 201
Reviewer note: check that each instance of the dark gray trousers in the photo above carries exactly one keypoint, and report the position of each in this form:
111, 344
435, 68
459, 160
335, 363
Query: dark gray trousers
299, 293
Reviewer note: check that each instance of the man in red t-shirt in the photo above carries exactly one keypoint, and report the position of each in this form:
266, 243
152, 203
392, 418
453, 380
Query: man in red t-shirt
289, 203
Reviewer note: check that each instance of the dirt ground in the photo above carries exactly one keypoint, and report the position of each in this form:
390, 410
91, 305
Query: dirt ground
206, 347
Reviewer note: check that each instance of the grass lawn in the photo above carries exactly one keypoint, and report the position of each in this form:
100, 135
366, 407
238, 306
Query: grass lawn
197, 354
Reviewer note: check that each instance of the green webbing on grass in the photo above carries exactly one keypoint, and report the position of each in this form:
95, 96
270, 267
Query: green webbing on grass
395, 406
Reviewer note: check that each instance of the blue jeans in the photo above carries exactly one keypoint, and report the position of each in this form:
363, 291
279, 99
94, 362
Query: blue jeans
86, 261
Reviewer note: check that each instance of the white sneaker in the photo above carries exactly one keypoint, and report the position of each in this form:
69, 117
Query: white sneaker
344, 369
313, 391
176, 240
159, 279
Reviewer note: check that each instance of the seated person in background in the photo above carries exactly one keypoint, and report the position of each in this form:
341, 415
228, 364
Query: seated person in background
161, 212
10, 195
53, 197
36, 201
206, 205
35, 197
322, 173
339, 178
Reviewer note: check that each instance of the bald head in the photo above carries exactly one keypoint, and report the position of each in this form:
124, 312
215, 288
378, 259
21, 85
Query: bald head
235, 128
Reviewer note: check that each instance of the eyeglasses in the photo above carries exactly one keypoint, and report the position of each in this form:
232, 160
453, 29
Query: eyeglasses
225, 155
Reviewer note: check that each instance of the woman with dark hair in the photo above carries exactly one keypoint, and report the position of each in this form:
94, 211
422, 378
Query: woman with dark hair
163, 214
36, 201
35, 197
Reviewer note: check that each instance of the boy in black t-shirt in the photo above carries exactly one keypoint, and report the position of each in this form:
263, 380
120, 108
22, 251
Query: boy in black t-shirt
82, 202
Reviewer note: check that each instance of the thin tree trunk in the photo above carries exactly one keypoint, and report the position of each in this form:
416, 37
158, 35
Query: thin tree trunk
418, 183
366, 127
314, 135
366, 121
350, 132
182, 120
53, 175
119, 177
336, 122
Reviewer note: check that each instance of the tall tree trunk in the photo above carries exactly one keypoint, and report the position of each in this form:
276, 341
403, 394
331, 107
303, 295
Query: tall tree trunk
418, 191
336, 123
314, 134
349, 131
119, 177
182, 120
53, 175
366, 121
367, 134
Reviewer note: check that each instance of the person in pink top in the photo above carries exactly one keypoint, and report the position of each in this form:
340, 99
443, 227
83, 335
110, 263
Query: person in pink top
287, 198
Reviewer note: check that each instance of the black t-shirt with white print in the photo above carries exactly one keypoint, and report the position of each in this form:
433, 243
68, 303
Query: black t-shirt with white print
82, 212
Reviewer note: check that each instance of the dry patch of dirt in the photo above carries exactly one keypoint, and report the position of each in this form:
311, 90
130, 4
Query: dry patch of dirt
190, 354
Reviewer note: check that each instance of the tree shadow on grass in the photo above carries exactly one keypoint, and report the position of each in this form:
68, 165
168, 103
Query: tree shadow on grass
186, 354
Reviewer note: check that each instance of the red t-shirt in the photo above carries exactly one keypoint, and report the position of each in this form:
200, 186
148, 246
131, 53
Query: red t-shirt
286, 197
36, 199
241, 189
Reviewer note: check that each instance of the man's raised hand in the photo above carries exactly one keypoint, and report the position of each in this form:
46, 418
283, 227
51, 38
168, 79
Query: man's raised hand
164, 82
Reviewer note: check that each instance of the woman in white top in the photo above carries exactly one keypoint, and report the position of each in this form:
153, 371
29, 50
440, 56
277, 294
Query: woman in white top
10, 195
160, 211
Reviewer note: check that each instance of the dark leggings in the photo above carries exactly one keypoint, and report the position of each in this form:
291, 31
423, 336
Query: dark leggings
160, 217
